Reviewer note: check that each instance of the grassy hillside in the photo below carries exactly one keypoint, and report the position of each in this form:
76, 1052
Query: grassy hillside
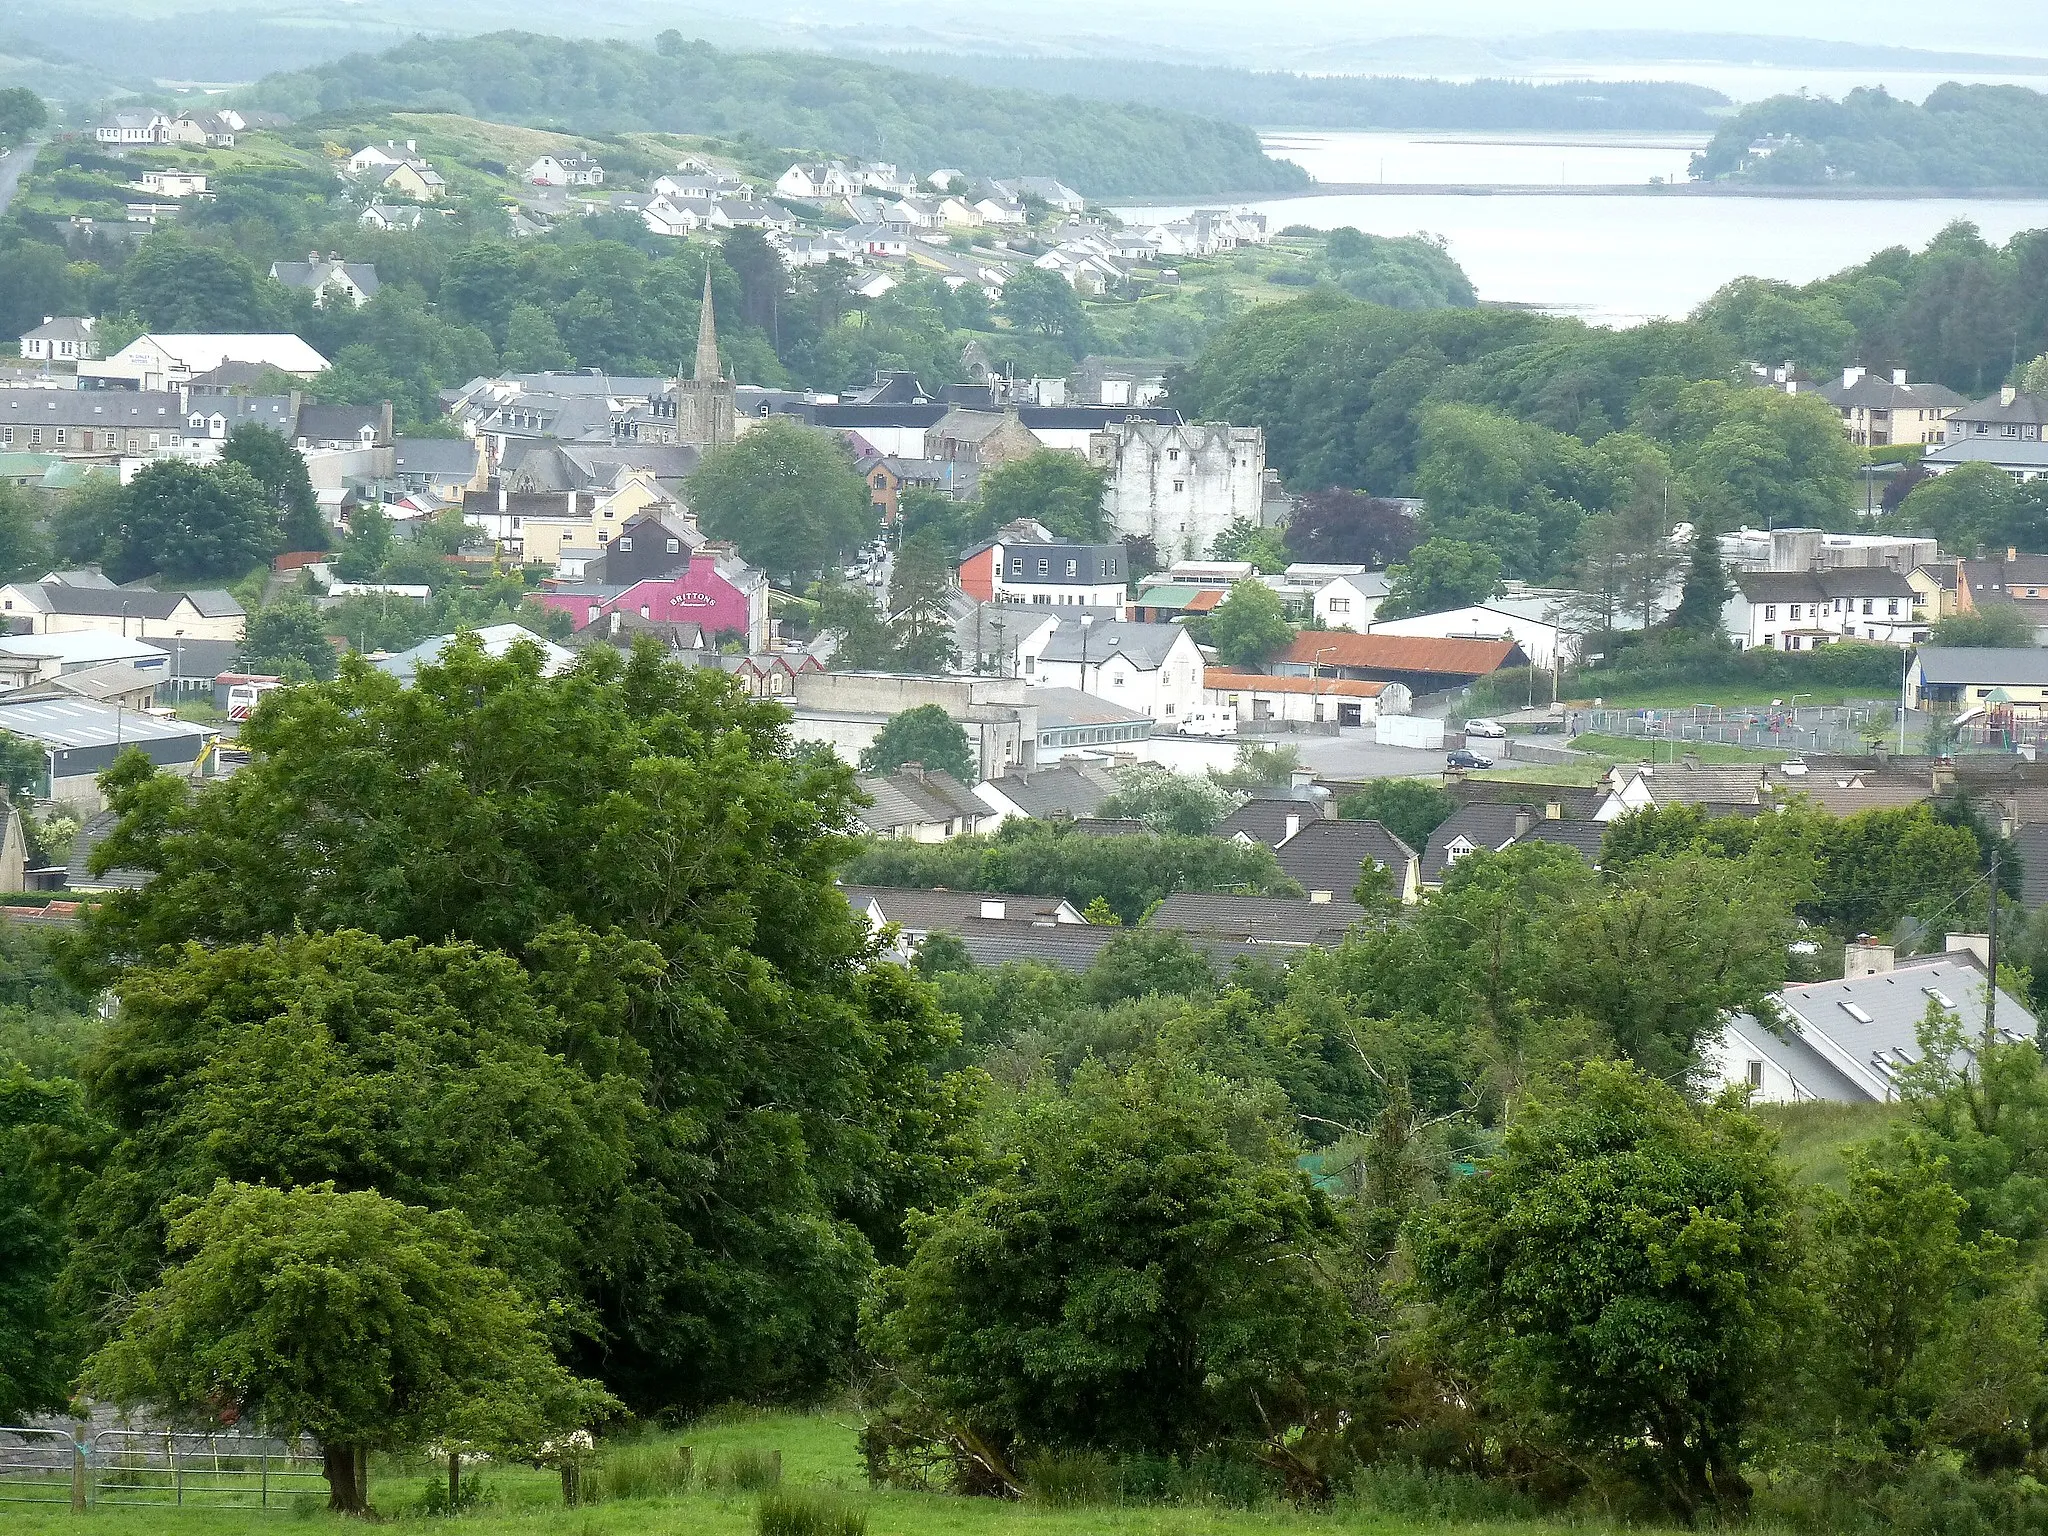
1276, 100
837, 105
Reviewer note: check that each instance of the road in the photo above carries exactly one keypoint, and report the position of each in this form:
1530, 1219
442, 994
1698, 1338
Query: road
13, 166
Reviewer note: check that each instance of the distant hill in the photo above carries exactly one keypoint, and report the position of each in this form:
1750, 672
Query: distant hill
1279, 100
1963, 136
842, 106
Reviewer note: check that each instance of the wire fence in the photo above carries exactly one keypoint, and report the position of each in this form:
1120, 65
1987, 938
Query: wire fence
1830, 728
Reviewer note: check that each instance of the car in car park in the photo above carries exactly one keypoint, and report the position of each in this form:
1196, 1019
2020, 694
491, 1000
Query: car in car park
1462, 758
1492, 730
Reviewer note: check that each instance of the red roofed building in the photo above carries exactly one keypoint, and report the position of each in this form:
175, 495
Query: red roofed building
1424, 664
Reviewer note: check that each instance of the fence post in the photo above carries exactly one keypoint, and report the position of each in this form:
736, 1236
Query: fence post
77, 1478
177, 1472
266, 1478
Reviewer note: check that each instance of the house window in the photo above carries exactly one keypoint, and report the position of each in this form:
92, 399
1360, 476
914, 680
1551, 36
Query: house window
1073, 567
2012, 431
1891, 608
1180, 485
1867, 607
675, 546
60, 437
1109, 567
625, 541
1173, 454
1016, 567
1045, 567
1756, 1074
35, 436
1030, 665
1340, 605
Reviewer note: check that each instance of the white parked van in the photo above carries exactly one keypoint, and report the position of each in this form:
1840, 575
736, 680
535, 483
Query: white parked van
1209, 722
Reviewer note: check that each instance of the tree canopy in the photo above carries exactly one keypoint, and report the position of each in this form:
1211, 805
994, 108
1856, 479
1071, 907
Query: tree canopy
927, 736
787, 495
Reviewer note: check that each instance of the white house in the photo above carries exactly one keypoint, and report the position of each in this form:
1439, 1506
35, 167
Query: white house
1848, 1040
61, 339
883, 176
207, 128
664, 216
171, 184
1155, 669
134, 128
1000, 210
1055, 194
1339, 596
877, 240
812, 182
153, 361
1803, 610
384, 156
565, 171
1025, 564
396, 218
354, 280
1254, 697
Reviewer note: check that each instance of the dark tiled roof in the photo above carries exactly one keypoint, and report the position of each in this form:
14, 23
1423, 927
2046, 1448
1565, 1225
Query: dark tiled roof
1585, 836
91, 833
1066, 790
1266, 919
924, 911
1075, 947
1488, 828
1146, 645
1330, 855
1576, 801
1265, 821
913, 799
2031, 838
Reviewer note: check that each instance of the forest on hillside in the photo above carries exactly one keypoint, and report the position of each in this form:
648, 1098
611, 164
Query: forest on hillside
805, 101
1962, 136
1278, 100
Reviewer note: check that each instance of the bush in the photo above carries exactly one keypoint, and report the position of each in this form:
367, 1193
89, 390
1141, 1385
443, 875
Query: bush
746, 1471
1067, 1478
638, 1470
1419, 1493
808, 1514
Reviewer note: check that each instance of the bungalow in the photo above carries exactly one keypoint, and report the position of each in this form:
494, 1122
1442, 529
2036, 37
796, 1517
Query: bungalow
171, 184
1056, 195
134, 128
422, 183
877, 240
746, 213
921, 805
61, 339
396, 218
1000, 210
1327, 858
209, 129
1253, 697
1964, 681
674, 220
56, 608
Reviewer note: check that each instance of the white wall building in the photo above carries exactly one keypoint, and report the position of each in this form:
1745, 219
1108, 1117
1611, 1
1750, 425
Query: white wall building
1180, 485
1539, 635
163, 362
1155, 669
1802, 610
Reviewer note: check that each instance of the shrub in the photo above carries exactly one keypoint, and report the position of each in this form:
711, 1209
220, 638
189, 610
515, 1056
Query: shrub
746, 1471
638, 1470
1067, 1478
808, 1514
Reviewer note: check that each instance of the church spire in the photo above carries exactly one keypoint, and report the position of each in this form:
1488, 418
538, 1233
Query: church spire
707, 336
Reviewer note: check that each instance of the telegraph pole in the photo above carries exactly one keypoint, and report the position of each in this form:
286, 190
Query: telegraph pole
1991, 963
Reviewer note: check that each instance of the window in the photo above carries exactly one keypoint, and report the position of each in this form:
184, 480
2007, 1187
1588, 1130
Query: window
1045, 567
1340, 605
35, 436
1795, 610
1891, 608
1867, 607
1073, 567
625, 540
1016, 567
1756, 1074
1180, 485
2012, 431
1030, 665
1109, 567
60, 437
1173, 454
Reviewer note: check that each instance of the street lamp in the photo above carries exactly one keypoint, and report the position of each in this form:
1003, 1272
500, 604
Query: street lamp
998, 626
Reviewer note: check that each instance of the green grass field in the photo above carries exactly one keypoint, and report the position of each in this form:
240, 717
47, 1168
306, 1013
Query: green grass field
818, 1452
1814, 1137
1727, 695
1636, 749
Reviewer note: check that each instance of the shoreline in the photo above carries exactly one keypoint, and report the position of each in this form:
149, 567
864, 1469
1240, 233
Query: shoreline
1594, 189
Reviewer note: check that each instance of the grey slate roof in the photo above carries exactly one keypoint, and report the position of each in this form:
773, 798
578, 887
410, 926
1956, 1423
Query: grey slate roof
2026, 666
2031, 838
1291, 921
1069, 789
137, 602
1061, 709
1145, 644
1265, 821
438, 456
317, 274
1488, 828
907, 799
93, 831
2025, 410
196, 658
926, 911
1822, 586
1584, 837
1330, 855
1876, 392
1806, 1066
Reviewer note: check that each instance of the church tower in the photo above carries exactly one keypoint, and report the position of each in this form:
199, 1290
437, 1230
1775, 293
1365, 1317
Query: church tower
707, 403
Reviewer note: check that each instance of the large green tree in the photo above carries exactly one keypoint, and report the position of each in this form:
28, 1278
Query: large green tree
1045, 302
927, 736
646, 836
367, 1324
1617, 1282
36, 1355
1441, 574
1248, 626
1142, 1276
787, 495
212, 523
1061, 490
280, 469
1411, 809
287, 639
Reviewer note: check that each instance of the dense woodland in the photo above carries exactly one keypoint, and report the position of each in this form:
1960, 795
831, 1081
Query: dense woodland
815, 101
1273, 100
1961, 136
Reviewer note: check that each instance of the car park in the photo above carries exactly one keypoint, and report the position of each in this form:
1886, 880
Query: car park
1491, 730
1464, 759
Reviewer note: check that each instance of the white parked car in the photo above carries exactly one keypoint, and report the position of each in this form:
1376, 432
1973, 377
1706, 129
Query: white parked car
1491, 730
1209, 722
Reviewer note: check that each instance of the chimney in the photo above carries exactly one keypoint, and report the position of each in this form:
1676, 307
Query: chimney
1899, 377
1850, 376
616, 621
993, 909
1978, 944
1293, 825
1944, 776
384, 425
1319, 898
2012, 552
1524, 820
411, 147
1301, 778
47, 319
1863, 958
2007, 395
1553, 810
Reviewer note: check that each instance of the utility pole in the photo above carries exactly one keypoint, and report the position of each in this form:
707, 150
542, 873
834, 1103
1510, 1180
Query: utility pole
1991, 965
1905, 694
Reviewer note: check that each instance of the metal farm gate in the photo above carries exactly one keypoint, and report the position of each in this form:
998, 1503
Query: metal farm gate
41, 1466
161, 1468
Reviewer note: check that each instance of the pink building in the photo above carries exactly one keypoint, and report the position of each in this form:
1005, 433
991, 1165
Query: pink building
717, 591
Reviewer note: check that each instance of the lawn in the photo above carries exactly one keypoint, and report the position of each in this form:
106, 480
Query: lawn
1585, 775
1813, 1137
818, 1451
1682, 695
1636, 749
